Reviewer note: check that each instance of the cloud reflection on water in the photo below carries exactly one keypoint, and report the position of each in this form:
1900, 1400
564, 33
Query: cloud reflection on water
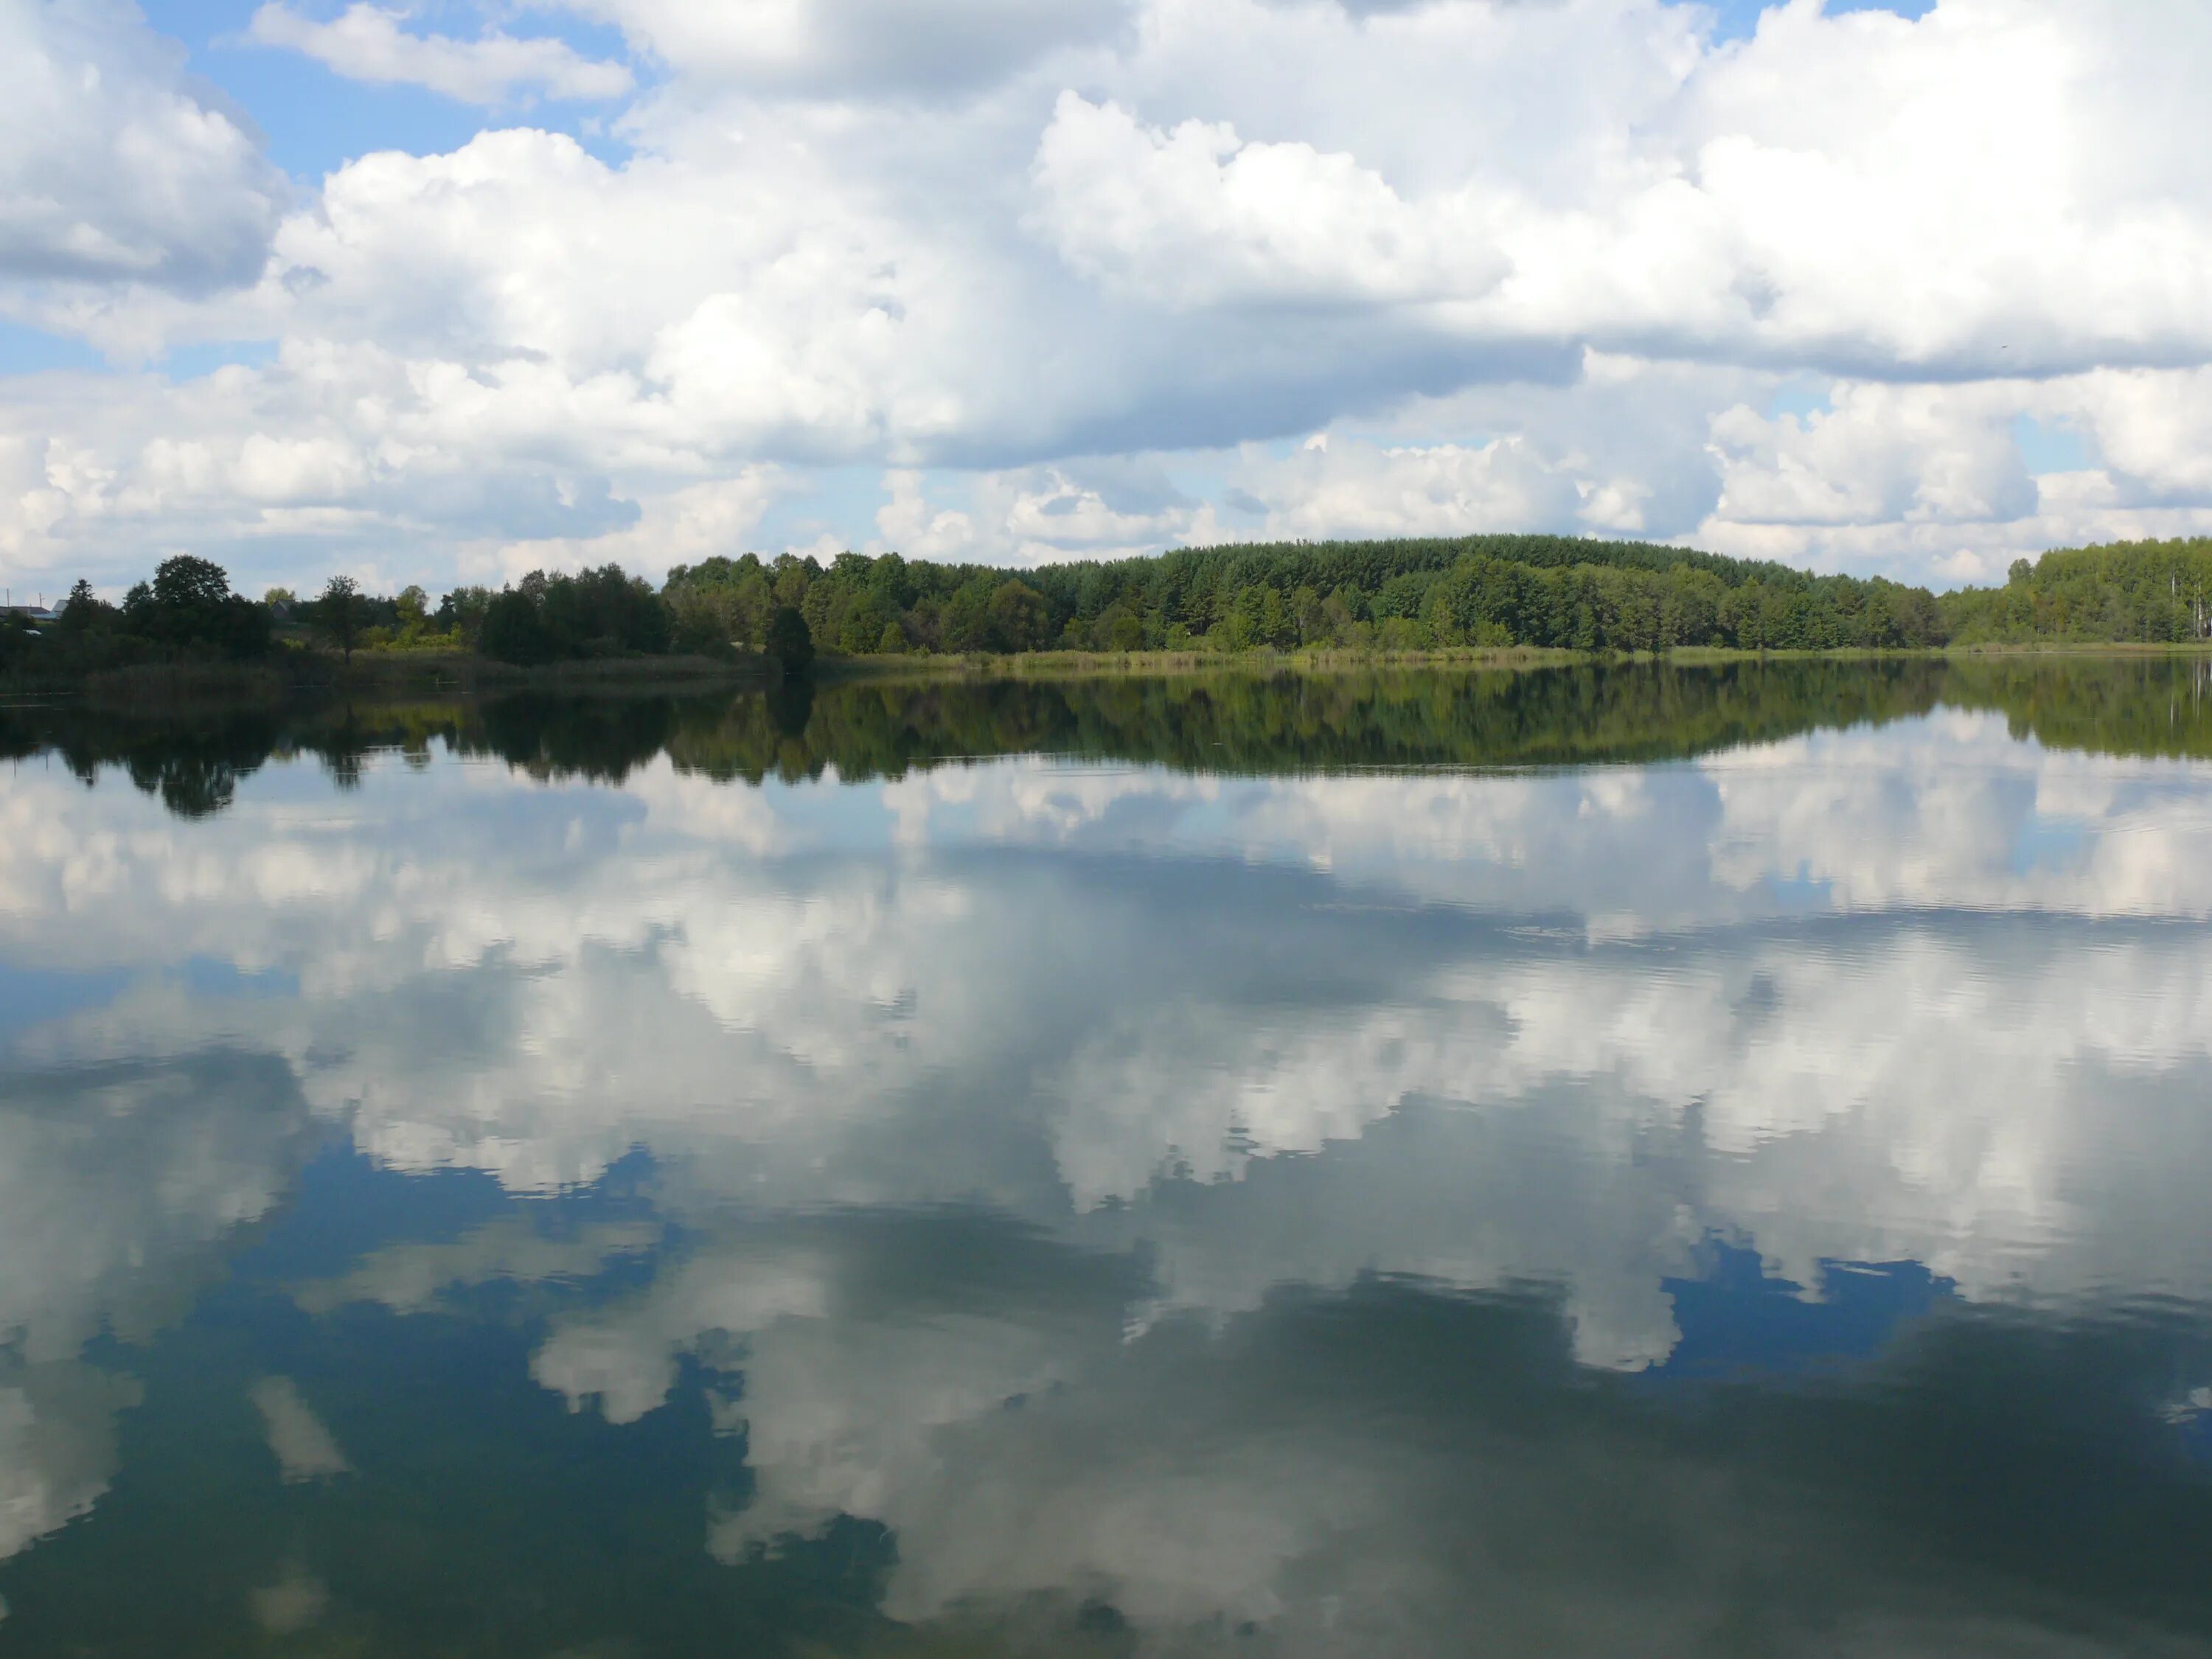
1207, 1063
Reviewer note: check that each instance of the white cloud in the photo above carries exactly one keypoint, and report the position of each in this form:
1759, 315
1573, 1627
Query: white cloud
366, 42
1038, 515
846, 47
1196, 217
1355, 488
1529, 266
115, 166
1883, 454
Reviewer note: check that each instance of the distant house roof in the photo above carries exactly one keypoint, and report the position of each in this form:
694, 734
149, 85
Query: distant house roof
37, 613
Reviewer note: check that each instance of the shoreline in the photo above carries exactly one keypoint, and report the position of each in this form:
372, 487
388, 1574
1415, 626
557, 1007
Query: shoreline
1080, 664
456, 675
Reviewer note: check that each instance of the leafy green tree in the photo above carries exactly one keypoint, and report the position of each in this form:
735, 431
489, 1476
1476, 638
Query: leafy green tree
513, 631
340, 615
1119, 629
188, 610
84, 611
461, 613
1021, 620
790, 643
184, 585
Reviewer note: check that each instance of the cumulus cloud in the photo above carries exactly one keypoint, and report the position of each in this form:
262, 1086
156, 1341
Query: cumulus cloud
366, 42
1197, 217
1527, 267
115, 166
844, 47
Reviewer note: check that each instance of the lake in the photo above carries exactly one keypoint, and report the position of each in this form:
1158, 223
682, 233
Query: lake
1600, 1161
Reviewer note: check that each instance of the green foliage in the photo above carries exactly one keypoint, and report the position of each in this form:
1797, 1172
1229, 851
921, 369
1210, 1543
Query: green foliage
460, 614
183, 583
1406, 595
85, 612
790, 642
513, 631
597, 613
339, 614
1551, 592
188, 610
720, 605
2155, 593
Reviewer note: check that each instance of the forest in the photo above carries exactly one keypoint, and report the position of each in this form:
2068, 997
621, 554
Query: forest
1541, 591
2147, 592
1550, 591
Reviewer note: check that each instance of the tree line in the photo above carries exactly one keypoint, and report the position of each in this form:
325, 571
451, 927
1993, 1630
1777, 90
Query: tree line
1542, 591
2148, 592
1403, 595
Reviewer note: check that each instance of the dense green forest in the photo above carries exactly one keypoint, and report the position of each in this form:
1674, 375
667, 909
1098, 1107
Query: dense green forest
1480, 590
1483, 591
1543, 591
2155, 593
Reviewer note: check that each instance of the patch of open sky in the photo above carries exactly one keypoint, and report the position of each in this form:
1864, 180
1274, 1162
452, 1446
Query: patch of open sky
204, 357
1206, 478
2048, 446
837, 502
1737, 19
316, 120
1803, 396
27, 350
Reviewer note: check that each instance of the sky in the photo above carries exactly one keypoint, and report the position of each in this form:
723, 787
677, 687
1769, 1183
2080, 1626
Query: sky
451, 291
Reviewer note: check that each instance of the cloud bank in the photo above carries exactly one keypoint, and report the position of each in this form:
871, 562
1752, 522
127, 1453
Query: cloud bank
1023, 282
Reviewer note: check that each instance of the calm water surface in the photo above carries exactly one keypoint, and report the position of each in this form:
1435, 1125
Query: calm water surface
1626, 1162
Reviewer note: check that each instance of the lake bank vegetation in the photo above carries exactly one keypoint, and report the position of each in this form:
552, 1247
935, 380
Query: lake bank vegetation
1473, 601
1545, 592
2128, 593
